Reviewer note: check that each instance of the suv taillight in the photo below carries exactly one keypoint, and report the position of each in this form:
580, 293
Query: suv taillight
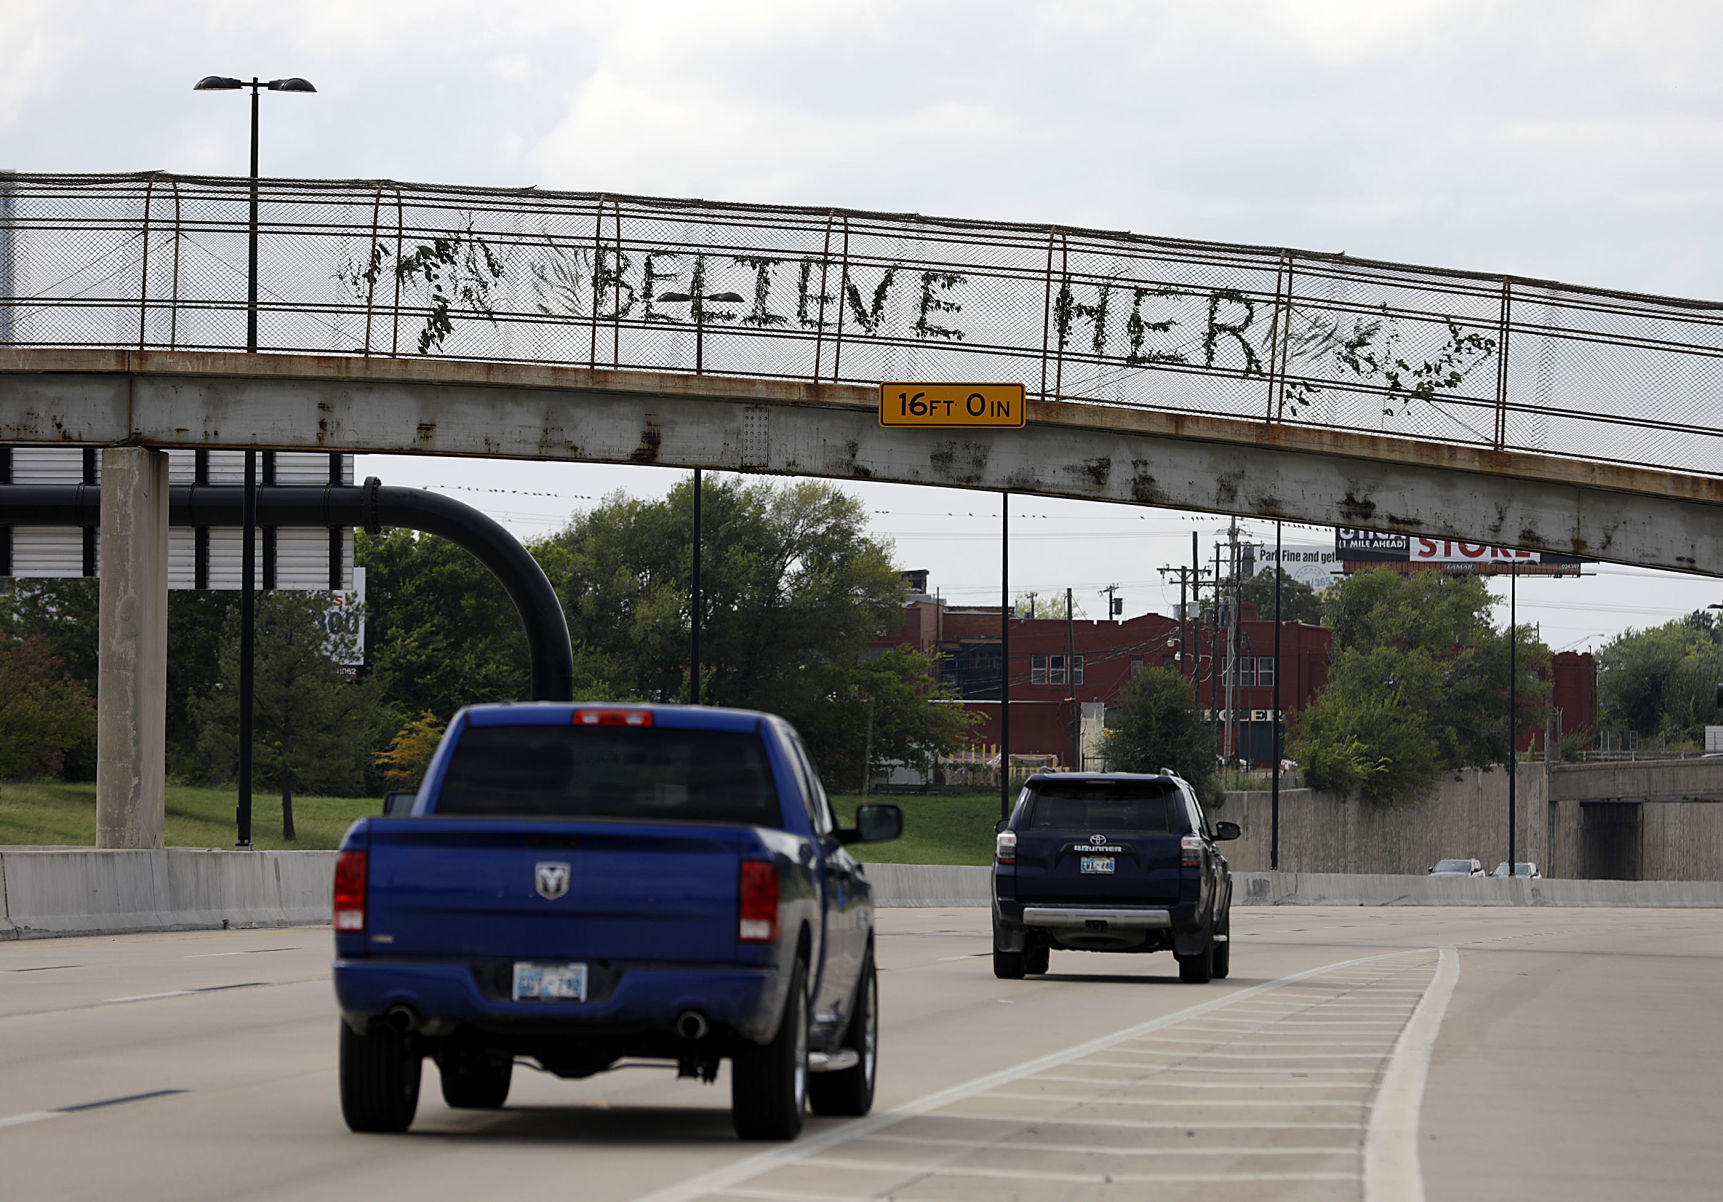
1005, 847
1191, 850
758, 918
350, 891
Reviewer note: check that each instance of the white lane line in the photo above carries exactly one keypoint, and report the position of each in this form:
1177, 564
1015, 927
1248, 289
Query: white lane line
1074, 1178
147, 997
1391, 1169
1110, 1150
1189, 1104
30, 1116
719, 1181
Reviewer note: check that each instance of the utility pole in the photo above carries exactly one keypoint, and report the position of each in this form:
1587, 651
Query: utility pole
1071, 687
1112, 604
1217, 719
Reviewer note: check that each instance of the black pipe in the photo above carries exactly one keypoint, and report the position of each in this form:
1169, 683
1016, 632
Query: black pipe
370, 506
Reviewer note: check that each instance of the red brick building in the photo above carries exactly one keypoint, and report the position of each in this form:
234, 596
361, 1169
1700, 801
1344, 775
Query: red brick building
1059, 674
1062, 681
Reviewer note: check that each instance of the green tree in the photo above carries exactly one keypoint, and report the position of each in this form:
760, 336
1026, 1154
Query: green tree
409, 753
1154, 726
438, 624
44, 710
314, 726
1298, 601
885, 709
1418, 683
1662, 681
1045, 605
792, 589
65, 614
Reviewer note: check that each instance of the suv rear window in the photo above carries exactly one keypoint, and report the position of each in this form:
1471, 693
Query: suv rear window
611, 772
1148, 807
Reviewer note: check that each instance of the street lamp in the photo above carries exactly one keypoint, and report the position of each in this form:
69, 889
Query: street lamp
699, 301
248, 554
671, 298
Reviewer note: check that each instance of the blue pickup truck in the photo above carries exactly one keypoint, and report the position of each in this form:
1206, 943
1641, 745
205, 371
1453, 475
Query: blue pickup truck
579, 884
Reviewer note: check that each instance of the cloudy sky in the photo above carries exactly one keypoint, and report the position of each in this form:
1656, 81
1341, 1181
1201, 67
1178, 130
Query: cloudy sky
1559, 139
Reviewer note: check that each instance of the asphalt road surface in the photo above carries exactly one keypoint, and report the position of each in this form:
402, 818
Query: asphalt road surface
1356, 1053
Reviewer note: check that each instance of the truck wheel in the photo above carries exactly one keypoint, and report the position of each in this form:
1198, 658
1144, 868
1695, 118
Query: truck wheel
1223, 947
1036, 957
849, 1091
769, 1085
1197, 969
473, 1083
379, 1080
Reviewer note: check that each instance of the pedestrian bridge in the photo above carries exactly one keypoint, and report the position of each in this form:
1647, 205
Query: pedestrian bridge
1259, 381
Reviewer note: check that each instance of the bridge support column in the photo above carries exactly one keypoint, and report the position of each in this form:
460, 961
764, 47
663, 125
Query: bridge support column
131, 689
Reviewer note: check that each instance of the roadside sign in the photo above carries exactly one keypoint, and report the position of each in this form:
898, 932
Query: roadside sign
940, 406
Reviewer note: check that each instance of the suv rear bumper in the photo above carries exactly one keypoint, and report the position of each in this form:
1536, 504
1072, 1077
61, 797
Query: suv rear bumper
1097, 926
1084, 917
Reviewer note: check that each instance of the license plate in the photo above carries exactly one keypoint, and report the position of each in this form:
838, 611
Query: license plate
549, 982
1096, 864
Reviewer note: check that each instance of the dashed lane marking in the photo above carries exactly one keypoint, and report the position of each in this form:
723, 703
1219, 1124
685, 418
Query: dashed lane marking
1043, 1106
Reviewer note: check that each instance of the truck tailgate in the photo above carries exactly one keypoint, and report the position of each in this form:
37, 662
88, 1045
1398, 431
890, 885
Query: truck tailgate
594, 890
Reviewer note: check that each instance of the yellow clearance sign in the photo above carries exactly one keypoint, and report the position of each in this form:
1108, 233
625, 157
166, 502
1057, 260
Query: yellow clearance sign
937, 406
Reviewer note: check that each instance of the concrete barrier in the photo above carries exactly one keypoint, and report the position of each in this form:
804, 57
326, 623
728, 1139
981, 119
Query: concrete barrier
1346, 889
80, 891
931, 884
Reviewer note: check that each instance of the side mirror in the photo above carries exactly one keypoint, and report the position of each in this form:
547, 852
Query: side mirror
398, 805
876, 822
1226, 830
1001, 825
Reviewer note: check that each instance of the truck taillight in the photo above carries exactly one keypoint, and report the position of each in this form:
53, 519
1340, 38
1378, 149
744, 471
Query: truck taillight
1005, 847
1191, 850
350, 891
612, 717
758, 918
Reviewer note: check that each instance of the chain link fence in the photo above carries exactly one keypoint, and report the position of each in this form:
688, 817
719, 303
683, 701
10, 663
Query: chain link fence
1255, 333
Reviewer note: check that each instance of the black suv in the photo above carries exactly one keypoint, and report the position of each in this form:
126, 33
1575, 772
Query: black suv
1111, 862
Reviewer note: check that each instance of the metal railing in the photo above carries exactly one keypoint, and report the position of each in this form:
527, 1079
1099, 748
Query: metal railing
1262, 334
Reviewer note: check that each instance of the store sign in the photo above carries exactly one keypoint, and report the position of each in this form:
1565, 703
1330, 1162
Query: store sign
1360, 550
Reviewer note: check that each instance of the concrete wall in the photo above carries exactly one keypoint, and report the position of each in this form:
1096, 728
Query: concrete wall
88, 892
1320, 832
1680, 815
85, 892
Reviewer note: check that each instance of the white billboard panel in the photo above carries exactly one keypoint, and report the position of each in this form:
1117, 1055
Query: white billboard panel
287, 557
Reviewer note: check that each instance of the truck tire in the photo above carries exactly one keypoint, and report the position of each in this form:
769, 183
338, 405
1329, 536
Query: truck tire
1223, 947
473, 1083
1036, 958
769, 1085
379, 1080
849, 1092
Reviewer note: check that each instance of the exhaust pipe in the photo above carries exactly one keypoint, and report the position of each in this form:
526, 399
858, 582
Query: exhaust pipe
400, 1019
691, 1024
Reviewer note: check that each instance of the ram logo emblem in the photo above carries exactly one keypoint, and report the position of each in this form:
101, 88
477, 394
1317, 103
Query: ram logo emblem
552, 880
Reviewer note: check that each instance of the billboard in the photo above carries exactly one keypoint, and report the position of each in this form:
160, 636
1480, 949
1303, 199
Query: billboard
1359, 550
315, 558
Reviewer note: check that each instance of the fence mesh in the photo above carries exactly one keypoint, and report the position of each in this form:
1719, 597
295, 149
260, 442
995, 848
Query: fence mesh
1262, 334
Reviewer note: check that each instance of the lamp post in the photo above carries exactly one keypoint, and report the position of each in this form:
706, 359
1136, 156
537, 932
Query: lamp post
248, 552
698, 299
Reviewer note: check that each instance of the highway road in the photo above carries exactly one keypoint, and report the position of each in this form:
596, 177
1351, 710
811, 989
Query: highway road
1379, 1053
